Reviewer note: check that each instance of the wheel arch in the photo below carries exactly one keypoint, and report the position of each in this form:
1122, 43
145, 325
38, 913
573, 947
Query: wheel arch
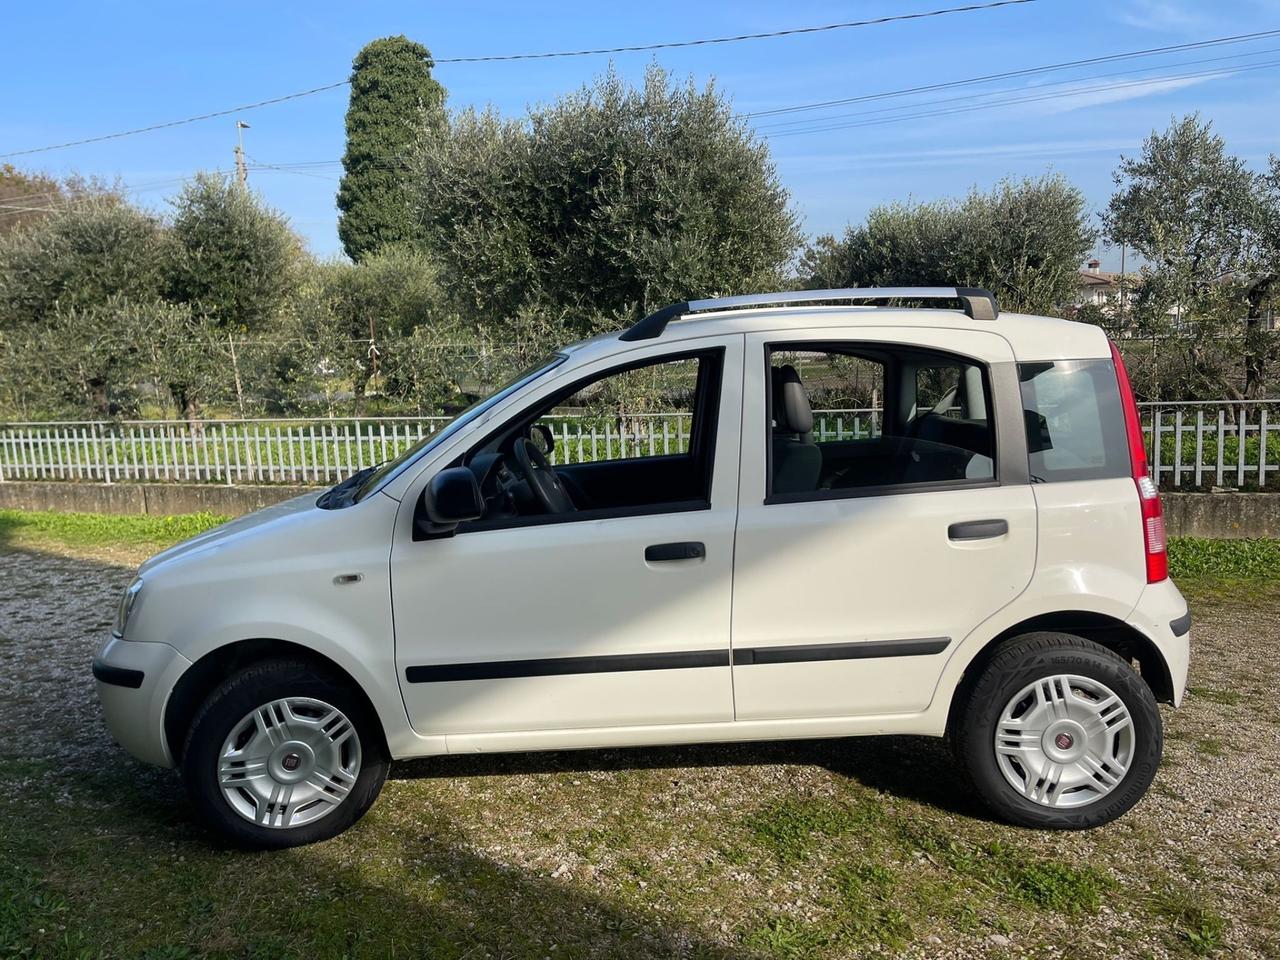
1105, 630
203, 676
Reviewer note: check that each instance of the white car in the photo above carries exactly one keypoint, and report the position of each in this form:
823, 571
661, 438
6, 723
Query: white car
981, 557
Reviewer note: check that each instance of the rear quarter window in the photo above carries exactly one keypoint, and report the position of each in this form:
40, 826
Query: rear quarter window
1074, 419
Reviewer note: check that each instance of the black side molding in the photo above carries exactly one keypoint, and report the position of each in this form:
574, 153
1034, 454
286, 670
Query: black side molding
857, 650
1182, 626
117, 676
566, 666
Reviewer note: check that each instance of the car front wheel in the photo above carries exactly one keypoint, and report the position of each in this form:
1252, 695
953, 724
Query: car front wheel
1059, 733
282, 754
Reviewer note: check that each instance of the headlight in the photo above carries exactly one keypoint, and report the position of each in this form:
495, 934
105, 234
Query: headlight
126, 607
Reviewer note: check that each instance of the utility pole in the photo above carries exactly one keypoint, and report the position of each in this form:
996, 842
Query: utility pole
242, 172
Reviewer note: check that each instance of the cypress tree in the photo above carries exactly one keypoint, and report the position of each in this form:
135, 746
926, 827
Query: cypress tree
393, 99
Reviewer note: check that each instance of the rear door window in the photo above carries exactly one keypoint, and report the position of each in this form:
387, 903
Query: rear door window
1074, 419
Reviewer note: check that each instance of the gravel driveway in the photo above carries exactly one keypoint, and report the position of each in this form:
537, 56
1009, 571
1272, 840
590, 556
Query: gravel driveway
833, 848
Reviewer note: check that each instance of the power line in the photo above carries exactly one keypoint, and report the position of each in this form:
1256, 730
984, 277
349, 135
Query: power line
640, 48
121, 190
794, 31
783, 124
1024, 94
176, 123
1029, 71
823, 124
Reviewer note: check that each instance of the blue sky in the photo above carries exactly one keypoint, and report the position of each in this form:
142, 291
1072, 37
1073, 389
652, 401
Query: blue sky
83, 69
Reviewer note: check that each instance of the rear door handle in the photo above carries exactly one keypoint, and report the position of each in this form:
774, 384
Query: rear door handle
686, 550
977, 529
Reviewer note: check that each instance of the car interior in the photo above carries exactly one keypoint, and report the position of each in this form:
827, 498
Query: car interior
887, 417
898, 416
586, 453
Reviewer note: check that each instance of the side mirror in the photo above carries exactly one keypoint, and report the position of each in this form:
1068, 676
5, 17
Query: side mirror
452, 497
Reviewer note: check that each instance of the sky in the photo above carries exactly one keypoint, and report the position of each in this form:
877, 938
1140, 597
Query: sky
86, 69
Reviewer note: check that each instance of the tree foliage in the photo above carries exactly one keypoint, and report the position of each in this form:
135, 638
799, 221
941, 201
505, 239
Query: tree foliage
232, 258
353, 319
605, 204
1024, 241
394, 102
1205, 225
80, 255
25, 197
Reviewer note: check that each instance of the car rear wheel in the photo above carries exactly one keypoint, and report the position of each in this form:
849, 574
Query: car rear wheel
1059, 733
283, 754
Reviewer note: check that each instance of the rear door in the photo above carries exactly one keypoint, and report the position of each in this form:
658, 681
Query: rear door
849, 594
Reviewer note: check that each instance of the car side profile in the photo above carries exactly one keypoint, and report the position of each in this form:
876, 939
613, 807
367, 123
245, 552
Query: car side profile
980, 557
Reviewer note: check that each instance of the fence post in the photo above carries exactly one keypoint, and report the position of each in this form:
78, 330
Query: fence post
1242, 433
1262, 450
1177, 448
1155, 447
1222, 436
1199, 444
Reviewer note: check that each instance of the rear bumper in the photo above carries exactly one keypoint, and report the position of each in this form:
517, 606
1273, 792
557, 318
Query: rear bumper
134, 680
1163, 616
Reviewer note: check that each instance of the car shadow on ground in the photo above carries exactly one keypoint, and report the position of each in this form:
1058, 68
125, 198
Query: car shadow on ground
914, 768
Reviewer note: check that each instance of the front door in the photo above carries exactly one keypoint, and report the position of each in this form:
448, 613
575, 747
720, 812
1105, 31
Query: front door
872, 538
613, 614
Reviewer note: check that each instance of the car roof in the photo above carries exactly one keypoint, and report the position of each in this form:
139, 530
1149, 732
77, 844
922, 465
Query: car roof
1030, 337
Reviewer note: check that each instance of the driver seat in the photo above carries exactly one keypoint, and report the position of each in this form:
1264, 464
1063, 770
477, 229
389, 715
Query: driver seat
797, 461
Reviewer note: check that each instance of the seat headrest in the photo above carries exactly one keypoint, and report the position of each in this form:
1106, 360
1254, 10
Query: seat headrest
791, 412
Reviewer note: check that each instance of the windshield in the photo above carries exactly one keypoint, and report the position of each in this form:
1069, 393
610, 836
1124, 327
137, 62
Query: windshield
385, 471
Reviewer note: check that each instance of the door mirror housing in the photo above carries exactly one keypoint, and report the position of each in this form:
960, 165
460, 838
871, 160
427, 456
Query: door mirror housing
451, 497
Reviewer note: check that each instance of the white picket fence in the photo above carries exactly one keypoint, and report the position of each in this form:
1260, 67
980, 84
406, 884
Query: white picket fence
1229, 444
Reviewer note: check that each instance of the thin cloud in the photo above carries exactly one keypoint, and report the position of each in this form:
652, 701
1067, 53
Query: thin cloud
1120, 94
1166, 16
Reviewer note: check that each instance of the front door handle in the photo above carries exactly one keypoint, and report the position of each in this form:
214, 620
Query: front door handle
686, 550
977, 529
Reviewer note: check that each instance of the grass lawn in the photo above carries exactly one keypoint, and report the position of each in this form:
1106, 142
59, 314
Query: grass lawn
868, 847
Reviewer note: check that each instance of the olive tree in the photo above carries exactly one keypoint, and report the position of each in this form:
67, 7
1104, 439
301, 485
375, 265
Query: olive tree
1023, 240
78, 256
608, 203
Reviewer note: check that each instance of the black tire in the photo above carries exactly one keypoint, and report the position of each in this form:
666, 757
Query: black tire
250, 688
1021, 661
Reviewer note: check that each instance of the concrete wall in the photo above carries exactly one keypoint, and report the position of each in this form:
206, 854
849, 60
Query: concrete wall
1218, 515
157, 499
1222, 516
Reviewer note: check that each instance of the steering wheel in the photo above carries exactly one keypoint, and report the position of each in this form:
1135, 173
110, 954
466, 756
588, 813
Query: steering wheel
532, 464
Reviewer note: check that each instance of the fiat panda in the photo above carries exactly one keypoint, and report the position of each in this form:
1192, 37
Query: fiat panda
979, 555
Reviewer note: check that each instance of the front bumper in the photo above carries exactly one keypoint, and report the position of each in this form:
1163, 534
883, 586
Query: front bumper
1162, 615
134, 680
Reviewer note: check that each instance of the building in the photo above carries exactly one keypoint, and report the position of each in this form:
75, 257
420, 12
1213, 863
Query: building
1098, 287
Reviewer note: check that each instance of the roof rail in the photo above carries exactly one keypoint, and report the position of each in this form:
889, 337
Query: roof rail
978, 303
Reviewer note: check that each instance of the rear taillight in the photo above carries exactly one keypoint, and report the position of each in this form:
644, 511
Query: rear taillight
1153, 535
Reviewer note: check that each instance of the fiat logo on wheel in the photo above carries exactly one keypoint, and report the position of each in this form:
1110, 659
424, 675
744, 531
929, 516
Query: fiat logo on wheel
292, 760
1063, 740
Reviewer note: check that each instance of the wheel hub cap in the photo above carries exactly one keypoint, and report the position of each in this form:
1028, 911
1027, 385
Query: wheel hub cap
289, 762
1064, 741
